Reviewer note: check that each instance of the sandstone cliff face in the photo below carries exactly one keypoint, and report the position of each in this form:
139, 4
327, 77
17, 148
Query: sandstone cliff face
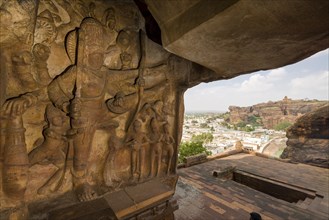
273, 113
308, 139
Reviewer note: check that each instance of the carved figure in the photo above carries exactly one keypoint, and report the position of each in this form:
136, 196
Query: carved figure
80, 91
13, 109
32, 74
34, 82
124, 41
125, 60
109, 18
125, 54
146, 113
158, 111
156, 122
109, 22
137, 141
168, 145
156, 147
54, 148
114, 144
41, 54
22, 63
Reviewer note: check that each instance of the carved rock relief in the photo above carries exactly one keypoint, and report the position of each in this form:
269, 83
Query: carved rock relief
85, 112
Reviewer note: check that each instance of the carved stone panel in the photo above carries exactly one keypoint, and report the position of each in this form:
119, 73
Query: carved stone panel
86, 110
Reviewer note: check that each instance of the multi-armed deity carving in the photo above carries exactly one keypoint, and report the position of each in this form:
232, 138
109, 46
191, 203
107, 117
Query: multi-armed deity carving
86, 108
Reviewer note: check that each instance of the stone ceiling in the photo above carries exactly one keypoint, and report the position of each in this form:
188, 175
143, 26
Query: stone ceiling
235, 37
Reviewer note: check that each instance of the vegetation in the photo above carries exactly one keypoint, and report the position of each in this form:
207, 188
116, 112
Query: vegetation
254, 120
187, 149
282, 126
225, 124
248, 128
243, 126
203, 138
225, 116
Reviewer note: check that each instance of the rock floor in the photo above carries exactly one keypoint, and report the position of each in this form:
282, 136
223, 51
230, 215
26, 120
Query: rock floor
202, 196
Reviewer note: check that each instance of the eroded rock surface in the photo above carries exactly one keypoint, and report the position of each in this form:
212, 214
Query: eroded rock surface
235, 37
308, 139
273, 113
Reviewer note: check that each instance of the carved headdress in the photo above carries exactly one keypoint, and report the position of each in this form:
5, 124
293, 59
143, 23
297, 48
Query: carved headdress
89, 37
92, 32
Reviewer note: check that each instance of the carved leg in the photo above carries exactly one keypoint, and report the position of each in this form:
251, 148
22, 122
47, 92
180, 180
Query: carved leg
133, 162
47, 150
138, 163
114, 176
3, 121
159, 161
110, 176
107, 170
52, 183
170, 155
82, 147
141, 162
153, 155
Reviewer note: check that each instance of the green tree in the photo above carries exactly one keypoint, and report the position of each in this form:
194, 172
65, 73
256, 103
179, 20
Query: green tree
203, 137
241, 124
282, 126
204, 125
254, 120
187, 149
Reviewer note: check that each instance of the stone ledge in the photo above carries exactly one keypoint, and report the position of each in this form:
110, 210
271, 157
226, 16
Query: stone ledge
121, 204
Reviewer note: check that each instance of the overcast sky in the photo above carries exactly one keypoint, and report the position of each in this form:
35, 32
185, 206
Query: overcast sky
308, 78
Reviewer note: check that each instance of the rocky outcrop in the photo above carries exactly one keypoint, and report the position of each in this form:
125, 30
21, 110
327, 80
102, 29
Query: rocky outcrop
308, 139
273, 113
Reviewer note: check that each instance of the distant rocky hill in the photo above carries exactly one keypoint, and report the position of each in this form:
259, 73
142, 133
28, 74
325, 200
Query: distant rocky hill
272, 113
308, 139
